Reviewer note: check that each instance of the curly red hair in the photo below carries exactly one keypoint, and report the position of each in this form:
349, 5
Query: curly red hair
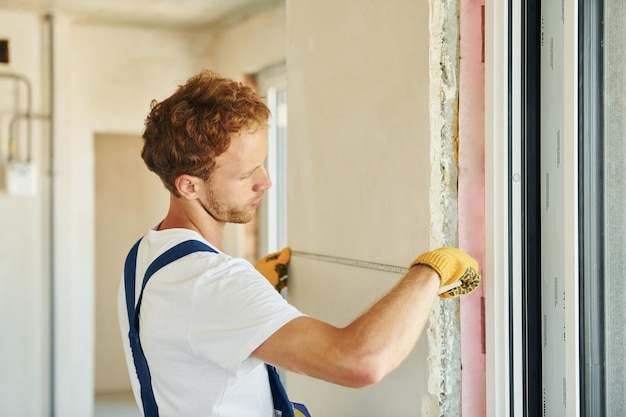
187, 131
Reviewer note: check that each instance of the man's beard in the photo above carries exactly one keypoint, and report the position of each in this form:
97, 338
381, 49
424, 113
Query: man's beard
227, 213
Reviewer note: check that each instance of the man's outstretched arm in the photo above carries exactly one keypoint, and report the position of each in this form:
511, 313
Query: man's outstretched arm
377, 341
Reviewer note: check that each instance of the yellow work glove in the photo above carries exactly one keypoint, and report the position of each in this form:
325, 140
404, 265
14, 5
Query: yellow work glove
274, 268
457, 270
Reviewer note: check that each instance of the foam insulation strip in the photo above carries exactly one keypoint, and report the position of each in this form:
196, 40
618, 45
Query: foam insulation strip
444, 338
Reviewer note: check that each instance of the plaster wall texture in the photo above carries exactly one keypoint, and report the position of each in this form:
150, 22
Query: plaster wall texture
444, 380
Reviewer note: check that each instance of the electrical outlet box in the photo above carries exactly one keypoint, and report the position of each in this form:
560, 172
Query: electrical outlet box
21, 178
4, 51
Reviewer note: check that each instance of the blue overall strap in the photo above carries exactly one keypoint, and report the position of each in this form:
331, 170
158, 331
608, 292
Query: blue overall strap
150, 408
282, 406
279, 395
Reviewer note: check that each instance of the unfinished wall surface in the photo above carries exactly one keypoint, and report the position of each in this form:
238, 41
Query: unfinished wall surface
361, 184
444, 385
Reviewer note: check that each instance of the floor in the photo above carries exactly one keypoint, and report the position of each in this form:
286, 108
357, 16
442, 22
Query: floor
116, 405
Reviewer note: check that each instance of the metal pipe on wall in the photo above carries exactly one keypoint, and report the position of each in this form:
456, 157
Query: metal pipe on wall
49, 22
29, 112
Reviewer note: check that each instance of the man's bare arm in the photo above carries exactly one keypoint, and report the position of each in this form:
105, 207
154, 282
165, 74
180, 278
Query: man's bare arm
366, 350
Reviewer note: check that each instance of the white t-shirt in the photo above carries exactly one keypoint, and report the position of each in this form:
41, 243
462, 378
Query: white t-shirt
201, 317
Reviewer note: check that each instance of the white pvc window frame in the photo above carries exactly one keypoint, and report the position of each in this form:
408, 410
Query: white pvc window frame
571, 202
276, 164
497, 196
502, 193
272, 85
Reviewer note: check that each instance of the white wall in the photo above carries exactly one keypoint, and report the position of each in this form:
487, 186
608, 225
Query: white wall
23, 246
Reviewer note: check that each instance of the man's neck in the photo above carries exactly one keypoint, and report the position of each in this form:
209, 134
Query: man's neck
189, 214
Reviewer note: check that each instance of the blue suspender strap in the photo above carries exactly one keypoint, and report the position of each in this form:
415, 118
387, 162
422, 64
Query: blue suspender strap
282, 405
129, 280
150, 407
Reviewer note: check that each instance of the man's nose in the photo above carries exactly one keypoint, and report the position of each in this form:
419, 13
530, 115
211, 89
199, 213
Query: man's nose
265, 181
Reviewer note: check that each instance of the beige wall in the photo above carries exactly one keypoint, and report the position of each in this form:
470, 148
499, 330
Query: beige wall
359, 172
251, 46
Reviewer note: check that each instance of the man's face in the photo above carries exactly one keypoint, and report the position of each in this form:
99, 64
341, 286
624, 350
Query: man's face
236, 187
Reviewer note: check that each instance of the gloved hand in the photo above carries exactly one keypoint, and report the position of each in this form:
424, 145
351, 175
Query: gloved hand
457, 270
274, 267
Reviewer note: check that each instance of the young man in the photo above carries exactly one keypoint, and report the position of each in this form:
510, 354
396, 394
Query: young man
209, 321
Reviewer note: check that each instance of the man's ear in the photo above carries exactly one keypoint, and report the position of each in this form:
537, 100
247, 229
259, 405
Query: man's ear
187, 186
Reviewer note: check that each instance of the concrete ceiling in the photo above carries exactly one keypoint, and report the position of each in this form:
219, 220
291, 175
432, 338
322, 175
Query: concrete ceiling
163, 13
